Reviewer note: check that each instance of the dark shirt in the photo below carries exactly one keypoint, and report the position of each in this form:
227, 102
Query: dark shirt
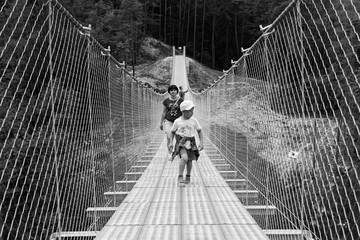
172, 109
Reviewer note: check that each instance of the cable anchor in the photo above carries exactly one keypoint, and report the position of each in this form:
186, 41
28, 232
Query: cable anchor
263, 30
234, 63
246, 51
87, 30
106, 51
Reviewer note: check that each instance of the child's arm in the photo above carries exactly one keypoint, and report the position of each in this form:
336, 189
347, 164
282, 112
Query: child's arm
201, 145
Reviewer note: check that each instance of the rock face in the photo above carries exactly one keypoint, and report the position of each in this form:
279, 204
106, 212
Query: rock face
244, 108
157, 72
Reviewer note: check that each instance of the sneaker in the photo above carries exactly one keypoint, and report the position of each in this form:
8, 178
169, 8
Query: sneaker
187, 179
180, 179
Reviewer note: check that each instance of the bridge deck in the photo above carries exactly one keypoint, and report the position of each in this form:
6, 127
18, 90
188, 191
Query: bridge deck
157, 208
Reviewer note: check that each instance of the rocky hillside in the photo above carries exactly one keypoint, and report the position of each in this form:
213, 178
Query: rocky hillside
157, 69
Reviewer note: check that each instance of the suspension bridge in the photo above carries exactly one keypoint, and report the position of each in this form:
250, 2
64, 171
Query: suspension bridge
82, 156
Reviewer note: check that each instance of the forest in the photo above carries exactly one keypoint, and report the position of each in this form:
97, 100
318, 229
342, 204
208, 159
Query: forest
213, 31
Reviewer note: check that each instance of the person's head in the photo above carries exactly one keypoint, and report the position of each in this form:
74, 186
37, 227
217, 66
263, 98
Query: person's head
187, 109
180, 88
173, 88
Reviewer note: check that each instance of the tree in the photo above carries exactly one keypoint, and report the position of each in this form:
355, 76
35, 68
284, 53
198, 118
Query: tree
194, 41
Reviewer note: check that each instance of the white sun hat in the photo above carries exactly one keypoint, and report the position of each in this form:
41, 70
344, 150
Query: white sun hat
186, 105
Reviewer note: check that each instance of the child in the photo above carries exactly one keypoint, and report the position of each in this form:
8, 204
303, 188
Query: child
184, 131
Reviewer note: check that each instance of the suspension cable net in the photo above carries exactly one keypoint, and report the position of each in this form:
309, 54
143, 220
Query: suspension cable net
286, 115
73, 121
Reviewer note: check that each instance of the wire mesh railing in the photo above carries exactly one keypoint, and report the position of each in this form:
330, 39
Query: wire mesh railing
73, 121
286, 116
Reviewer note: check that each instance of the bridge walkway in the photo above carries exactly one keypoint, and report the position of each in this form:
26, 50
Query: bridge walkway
157, 208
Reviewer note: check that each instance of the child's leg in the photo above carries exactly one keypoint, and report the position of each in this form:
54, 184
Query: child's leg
183, 160
188, 167
191, 157
188, 171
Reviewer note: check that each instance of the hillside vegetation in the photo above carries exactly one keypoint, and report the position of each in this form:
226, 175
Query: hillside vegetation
157, 70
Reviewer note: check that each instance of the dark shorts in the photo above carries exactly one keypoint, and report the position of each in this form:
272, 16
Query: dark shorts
191, 155
193, 152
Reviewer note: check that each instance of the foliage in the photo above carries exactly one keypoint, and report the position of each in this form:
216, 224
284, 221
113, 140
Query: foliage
212, 24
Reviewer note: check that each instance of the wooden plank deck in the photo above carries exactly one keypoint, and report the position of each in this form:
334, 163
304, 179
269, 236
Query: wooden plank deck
156, 208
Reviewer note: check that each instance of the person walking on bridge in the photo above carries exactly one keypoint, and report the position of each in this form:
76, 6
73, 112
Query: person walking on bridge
184, 130
171, 111
182, 92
